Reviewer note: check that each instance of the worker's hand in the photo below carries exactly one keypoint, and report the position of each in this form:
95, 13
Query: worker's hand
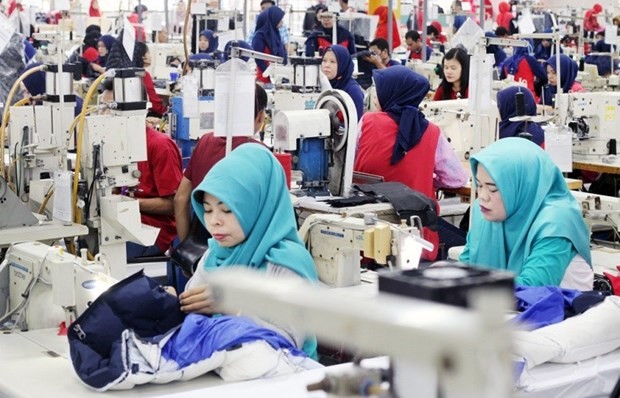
198, 300
374, 59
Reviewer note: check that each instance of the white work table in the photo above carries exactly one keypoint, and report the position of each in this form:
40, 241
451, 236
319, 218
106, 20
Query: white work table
36, 364
44, 231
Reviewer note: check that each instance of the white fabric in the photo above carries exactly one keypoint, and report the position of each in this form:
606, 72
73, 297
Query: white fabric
143, 363
578, 275
581, 337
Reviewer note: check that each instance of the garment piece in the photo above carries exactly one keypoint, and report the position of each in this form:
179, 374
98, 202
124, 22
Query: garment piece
538, 207
135, 333
506, 102
208, 151
399, 92
382, 26
160, 176
375, 147
344, 78
568, 74
269, 224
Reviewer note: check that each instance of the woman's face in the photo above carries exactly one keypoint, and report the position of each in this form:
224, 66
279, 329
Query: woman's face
452, 70
330, 65
221, 222
326, 19
147, 59
203, 43
103, 50
489, 197
552, 77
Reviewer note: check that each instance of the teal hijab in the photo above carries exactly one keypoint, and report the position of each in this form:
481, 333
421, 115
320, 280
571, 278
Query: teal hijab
251, 183
537, 201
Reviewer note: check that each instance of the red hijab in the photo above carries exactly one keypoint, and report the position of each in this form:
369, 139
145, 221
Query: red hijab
382, 26
94, 11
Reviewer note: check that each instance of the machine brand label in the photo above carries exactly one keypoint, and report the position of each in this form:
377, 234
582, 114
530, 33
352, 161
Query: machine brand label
332, 233
89, 284
19, 267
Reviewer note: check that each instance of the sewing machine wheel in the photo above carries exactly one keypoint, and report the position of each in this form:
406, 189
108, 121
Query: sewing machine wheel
340, 116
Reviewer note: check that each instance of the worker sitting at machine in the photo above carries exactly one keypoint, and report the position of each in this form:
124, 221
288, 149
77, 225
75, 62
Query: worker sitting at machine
525, 219
207, 45
522, 66
322, 36
514, 102
455, 82
338, 67
380, 54
498, 53
104, 45
568, 74
267, 39
34, 85
415, 46
244, 203
399, 144
208, 151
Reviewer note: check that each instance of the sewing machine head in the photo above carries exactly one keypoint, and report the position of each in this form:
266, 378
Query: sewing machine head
593, 117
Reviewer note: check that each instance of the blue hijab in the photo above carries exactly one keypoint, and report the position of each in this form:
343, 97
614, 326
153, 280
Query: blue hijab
35, 83
250, 182
213, 41
538, 205
568, 74
108, 42
242, 44
400, 91
498, 53
267, 29
507, 109
344, 77
512, 63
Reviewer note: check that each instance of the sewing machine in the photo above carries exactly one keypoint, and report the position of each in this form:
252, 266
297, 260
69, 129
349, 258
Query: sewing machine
335, 242
113, 145
297, 84
426, 69
593, 117
42, 286
456, 123
599, 209
322, 143
435, 350
163, 57
39, 135
186, 128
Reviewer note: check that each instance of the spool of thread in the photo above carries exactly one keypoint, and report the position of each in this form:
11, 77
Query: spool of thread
520, 103
285, 160
612, 147
582, 63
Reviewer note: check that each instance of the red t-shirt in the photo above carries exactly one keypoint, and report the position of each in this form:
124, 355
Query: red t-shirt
157, 105
453, 94
208, 151
160, 176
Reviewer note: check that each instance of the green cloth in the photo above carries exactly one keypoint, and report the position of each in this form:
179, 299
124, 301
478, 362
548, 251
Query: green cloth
539, 207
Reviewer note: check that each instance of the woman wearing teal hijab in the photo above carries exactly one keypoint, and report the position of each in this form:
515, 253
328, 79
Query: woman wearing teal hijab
525, 219
244, 203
